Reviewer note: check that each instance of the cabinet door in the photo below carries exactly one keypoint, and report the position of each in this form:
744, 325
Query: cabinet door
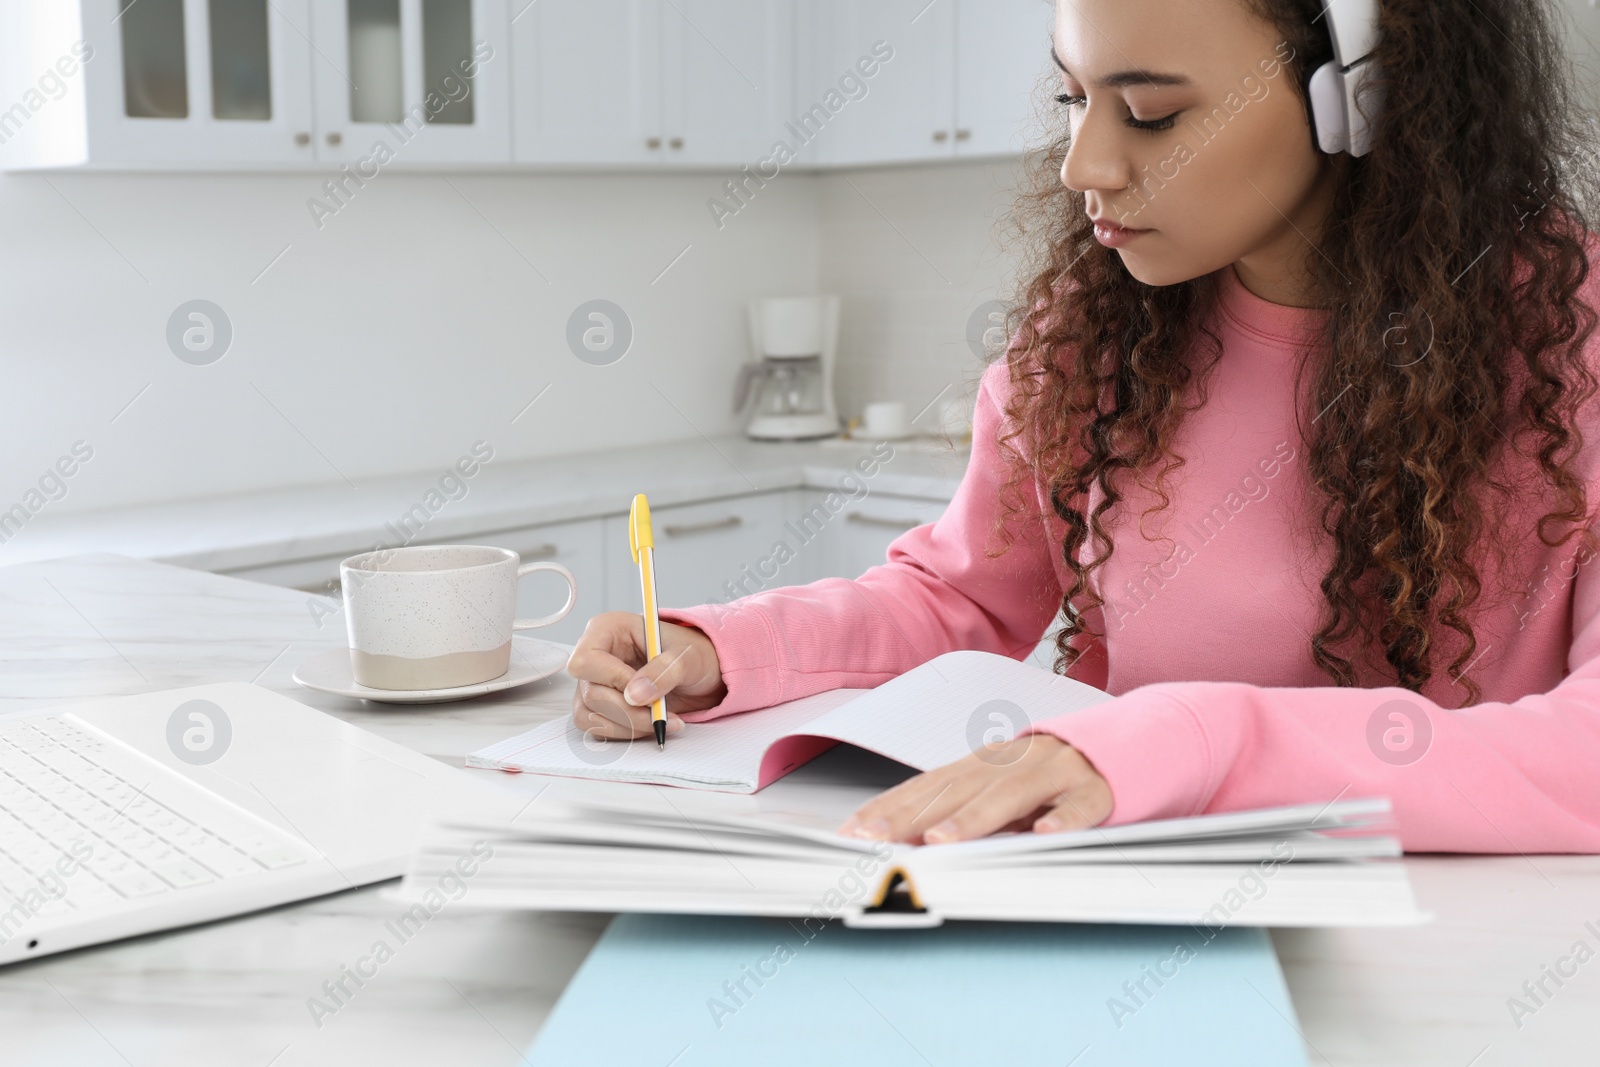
412, 81
727, 69
1002, 50
198, 81
908, 110
576, 546
586, 86
705, 553
858, 535
864, 530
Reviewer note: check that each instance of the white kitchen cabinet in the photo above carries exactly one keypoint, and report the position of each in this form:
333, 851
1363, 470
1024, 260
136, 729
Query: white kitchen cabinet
586, 83
705, 553
234, 84
161, 83
908, 110
960, 82
577, 546
698, 82
430, 80
1002, 51
229, 83
727, 79
857, 536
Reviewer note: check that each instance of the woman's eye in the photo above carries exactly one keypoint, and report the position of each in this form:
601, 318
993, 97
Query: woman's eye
1151, 125
1154, 125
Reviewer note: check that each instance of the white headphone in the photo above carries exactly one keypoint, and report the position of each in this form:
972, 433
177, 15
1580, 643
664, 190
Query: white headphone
1340, 125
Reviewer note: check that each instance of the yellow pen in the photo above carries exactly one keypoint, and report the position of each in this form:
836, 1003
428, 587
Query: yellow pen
642, 543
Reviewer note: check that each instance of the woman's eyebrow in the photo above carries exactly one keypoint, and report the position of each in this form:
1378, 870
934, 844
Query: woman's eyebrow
1124, 78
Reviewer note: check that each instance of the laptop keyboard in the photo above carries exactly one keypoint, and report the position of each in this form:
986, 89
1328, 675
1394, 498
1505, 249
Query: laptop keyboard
79, 830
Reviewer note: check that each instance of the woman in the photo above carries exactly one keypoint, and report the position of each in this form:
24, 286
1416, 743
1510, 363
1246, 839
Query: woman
1305, 463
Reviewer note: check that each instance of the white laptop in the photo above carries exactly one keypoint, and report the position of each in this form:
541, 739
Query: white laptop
132, 814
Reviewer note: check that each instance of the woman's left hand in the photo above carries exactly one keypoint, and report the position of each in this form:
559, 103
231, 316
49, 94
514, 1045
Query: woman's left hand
1034, 781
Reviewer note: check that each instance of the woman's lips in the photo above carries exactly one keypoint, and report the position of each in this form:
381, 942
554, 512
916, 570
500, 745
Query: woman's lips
1113, 236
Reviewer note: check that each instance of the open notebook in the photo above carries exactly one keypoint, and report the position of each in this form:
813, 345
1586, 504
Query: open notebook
933, 714
663, 850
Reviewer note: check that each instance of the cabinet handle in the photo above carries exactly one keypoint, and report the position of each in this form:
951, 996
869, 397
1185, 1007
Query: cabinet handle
703, 527
335, 137
963, 135
874, 520
941, 135
302, 138
676, 142
542, 552
652, 142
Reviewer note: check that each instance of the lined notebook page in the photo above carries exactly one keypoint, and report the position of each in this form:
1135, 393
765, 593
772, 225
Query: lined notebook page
927, 717
720, 754
952, 706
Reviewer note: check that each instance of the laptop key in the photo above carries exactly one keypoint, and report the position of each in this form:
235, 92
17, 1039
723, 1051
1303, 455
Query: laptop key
277, 856
183, 874
132, 882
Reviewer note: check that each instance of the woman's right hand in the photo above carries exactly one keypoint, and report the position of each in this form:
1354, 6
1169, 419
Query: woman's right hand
616, 686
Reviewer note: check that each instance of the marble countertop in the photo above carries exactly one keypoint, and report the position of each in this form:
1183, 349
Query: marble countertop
224, 533
473, 988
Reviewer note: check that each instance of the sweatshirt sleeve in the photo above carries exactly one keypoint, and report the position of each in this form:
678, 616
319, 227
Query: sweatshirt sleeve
939, 590
1519, 776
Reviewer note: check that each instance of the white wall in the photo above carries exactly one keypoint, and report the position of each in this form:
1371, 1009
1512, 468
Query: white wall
410, 325
915, 251
404, 329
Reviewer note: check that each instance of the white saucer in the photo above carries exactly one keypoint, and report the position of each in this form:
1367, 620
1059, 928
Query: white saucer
531, 660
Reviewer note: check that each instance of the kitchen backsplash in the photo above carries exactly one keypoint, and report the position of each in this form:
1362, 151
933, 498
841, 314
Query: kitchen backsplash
434, 310
916, 251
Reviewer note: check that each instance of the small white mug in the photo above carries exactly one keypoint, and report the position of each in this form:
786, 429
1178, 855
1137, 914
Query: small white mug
885, 420
437, 616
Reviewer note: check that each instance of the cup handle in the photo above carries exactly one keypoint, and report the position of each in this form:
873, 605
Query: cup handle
566, 609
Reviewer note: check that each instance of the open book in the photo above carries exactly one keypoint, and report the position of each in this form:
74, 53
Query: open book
661, 850
934, 714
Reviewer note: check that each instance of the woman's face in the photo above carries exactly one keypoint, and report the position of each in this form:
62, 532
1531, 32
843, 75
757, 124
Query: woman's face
1225, 169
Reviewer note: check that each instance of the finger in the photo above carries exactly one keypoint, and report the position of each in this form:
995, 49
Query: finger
658, 677
870, 820
904, 812
1005, 798
604, 651
1078, 809
601, 711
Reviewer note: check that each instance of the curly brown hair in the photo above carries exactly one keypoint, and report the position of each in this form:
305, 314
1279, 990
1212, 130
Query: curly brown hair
1480, 175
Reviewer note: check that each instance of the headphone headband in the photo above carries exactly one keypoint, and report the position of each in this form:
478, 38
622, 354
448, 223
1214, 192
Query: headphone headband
1342, 126
1353, 25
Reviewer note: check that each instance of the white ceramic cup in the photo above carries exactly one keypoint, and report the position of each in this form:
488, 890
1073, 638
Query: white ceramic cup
886, 420
437, 616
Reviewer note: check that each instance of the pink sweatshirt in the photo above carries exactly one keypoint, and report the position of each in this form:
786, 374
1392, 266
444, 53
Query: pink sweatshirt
1207, 636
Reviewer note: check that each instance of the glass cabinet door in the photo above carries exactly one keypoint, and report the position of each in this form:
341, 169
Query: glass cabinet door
199, 81
412, 81
241, 67
377, 63
155, 72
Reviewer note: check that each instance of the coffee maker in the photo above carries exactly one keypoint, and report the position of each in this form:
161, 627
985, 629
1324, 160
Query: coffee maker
788, 391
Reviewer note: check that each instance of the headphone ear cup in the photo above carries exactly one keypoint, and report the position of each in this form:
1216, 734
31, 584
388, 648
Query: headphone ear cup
1327, 94
1371, 101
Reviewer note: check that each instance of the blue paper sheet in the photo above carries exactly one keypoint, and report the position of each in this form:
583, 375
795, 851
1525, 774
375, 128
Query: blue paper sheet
699, 991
